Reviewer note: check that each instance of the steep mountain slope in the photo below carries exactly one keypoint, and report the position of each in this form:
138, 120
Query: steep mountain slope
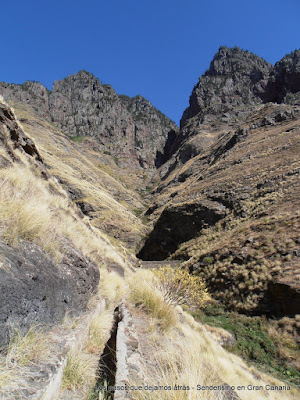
130, 129
229, 196
92, 180
50, 253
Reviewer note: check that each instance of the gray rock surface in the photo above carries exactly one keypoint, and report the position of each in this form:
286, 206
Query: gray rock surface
130, 129
287, 79
235, 84
12, 137
235, 78
33, 290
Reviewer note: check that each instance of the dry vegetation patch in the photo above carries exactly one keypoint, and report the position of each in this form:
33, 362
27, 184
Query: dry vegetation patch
39, 211
187, 356
94, 185
79, 372
145, 295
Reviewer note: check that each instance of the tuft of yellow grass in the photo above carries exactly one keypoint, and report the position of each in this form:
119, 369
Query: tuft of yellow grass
5, 374
111, 286
26, 348
79, 372
99, 331
144, 295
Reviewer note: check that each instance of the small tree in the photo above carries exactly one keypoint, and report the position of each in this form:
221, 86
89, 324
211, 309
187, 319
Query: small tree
179, 287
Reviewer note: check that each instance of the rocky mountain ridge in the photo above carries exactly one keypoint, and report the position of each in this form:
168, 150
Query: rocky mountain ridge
238, 78
236, 82
130, 129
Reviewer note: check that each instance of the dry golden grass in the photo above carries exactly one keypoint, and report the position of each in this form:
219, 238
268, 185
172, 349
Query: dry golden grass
189, 356
97, 184
30, 209
81, 366
79, 372
145, 295
99, 331
111, 286
23, 352
6, 375
26, 348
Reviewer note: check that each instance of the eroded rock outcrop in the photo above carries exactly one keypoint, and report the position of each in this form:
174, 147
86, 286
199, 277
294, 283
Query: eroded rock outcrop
12, 136
129, 129
286, 79
235, 78
235, 84
36, 291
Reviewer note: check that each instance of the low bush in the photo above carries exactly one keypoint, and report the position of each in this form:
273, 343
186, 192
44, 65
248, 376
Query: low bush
179, 287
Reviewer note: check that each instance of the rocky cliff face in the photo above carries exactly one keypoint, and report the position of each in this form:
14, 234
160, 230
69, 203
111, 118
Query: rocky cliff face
236, 82
130, 129
286, 79
235, 79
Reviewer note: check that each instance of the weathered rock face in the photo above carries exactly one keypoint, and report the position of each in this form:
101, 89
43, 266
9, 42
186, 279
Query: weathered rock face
12, 137
35, 291
286, 79
236, 78
31, 93
130, 129
234, 85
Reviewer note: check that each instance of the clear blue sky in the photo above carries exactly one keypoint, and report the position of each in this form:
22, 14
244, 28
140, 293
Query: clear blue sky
154, 48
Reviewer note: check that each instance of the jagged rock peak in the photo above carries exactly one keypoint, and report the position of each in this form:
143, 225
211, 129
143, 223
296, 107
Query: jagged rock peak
82, 86
130, 129
286, 79
235, 78
290, 62
231, 60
